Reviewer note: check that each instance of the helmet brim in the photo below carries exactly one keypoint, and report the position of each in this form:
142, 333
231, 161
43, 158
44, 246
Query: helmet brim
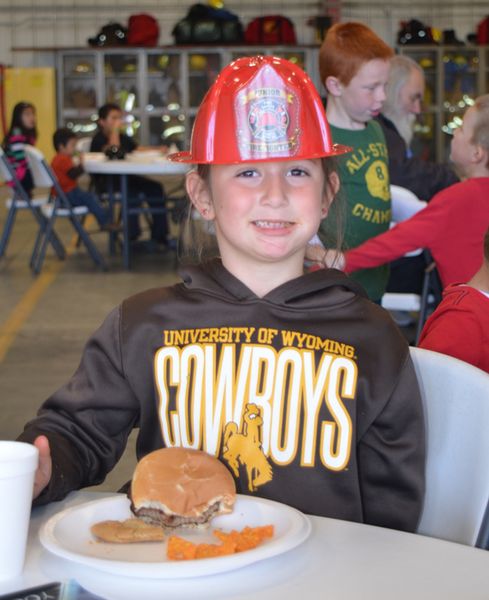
186, 157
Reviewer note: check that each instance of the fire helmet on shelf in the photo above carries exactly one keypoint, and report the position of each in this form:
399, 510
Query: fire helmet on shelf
260, 108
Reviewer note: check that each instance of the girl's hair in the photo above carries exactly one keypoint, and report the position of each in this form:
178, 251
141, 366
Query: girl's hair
346, 47
480, 134
198, 241
16, 122
400, 71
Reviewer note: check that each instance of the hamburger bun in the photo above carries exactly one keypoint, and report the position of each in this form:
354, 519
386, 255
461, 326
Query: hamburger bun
180, 487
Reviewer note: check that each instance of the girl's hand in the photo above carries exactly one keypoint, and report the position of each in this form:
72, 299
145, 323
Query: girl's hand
333, 259
44, 468
315, 253
325, 258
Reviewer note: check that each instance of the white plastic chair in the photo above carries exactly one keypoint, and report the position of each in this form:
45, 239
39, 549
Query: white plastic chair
456, 404
20, 200
405, 204
60, 207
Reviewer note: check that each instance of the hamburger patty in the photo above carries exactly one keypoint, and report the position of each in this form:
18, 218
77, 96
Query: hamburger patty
158, 517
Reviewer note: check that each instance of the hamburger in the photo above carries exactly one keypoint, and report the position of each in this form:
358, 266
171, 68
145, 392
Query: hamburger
180, 487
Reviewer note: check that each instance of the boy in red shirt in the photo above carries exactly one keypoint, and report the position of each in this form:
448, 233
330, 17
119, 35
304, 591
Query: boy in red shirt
453, 224
64, 141
460, 325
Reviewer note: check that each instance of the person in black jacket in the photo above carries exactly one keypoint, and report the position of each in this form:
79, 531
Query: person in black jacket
404, 96
140, 189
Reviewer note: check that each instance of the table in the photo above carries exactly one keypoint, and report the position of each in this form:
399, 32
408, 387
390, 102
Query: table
142, 163
339, 561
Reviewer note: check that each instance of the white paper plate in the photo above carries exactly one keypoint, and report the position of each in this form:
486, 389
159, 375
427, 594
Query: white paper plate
67, 534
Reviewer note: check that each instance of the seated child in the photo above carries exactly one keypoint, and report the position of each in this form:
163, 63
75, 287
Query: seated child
249, 359
460, 324
64, 141
22, 131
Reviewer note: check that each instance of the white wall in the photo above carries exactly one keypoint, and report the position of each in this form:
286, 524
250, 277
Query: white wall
48, 23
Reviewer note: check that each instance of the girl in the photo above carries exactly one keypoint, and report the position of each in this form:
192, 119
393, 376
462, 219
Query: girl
22, 131
248, 359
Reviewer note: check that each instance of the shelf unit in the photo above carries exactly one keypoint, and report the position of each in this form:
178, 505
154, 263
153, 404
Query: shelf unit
160, 89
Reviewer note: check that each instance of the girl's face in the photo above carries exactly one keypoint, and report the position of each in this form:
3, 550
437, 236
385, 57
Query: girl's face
28, 118
264, 212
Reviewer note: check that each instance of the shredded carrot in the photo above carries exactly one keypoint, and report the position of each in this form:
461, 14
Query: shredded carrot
231, 542
180, 549
210, 550
248, 538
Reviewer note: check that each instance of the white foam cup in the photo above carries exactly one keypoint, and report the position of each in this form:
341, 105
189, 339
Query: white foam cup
18, 463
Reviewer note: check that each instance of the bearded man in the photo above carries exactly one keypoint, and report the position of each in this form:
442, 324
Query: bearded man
404, 97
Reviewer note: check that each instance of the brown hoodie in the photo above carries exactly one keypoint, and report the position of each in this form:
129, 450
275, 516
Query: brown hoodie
308, 395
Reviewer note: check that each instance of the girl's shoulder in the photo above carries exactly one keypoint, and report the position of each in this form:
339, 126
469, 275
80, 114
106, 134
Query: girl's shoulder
16, 135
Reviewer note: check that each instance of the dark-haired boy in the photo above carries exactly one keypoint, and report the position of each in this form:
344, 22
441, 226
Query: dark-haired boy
64, 142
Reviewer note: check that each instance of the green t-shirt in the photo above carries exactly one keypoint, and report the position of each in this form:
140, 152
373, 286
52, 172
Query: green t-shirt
364, 178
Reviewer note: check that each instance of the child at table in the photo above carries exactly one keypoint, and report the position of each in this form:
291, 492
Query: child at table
64, 142
249, 359
22, 131
140, 189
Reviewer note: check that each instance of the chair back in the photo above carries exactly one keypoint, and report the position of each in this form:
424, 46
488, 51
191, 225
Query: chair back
405, 203
41, 173
6, 171
456, 405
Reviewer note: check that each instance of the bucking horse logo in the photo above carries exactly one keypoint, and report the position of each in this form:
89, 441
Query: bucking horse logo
245, 447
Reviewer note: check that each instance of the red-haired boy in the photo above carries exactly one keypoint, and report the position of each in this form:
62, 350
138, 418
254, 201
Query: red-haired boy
354, 67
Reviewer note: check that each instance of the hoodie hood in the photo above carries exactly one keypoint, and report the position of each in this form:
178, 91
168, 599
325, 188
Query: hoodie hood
306, 291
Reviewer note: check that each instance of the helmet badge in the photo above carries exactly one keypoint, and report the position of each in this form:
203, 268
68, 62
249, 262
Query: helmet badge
267, 115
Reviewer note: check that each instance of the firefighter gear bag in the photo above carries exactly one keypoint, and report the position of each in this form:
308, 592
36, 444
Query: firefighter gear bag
142, 30
271, 29
207, 25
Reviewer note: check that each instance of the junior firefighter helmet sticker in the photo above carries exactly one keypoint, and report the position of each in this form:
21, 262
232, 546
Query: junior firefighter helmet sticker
267, 118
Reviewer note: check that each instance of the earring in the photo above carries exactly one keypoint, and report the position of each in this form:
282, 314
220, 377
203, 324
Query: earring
205, 212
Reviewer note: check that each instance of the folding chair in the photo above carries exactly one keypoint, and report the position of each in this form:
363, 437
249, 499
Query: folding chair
59, 207
455, 398
424, 303
405, 204
20, 200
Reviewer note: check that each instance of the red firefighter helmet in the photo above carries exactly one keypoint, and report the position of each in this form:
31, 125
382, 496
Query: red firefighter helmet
260, 108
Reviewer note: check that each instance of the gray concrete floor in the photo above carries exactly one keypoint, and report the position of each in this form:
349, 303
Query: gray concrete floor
48, 333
